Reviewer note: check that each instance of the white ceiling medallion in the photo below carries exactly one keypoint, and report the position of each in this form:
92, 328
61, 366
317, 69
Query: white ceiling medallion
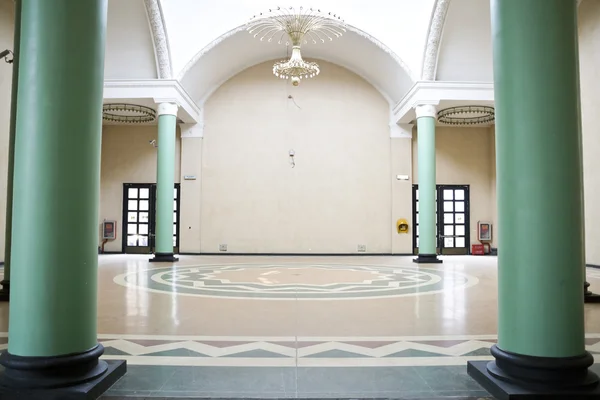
467, 115
296, 26
123, 113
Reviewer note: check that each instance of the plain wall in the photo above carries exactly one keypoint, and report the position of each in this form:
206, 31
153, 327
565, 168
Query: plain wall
464, 157
127, 157
7, 15
339, 193
589, 49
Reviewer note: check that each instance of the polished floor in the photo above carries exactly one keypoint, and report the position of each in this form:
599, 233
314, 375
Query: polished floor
226, 326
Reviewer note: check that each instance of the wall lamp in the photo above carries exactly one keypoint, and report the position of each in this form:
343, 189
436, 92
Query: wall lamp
4, 54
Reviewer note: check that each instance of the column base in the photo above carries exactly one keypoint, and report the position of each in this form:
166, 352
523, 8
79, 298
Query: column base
164, 257
515, 376
76, 376
5, 291
427, 259
588, 296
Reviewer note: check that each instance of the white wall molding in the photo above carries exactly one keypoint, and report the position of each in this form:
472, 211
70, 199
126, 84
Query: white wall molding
431, 92
434, 39
192, 130
159, 91
159, 38
401, 130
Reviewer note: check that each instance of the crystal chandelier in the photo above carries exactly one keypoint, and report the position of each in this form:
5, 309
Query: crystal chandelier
298, 26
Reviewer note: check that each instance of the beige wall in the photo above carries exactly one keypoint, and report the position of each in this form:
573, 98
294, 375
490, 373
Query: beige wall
6, 42
339, 194
127, 157
464, 157
589, 47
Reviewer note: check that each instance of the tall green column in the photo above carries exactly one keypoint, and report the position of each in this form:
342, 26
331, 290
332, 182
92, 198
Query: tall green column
52, 323
165, 183
426, 117
5, 291
541, 343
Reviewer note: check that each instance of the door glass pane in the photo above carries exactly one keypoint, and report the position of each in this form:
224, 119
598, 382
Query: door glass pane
417, 206
448, 218
448, 194
174, 204
144, 193
460, 218
448, 230
131, 240
459, 206
175, 193
132, 205
460, 230
417, 242
174, 241
143, 241
144, 217
448, 242
131, 229
144, 205
175, 217
459, 194
132, 217
417, 194
417, 218
417, 229
448, 206
143, 229
174, 229
460, 242
132, 193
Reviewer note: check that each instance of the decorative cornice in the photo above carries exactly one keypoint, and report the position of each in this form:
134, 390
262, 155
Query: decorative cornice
242, 28
192, 130
425, 110
159, 37
434, 38
160, 91
167, 109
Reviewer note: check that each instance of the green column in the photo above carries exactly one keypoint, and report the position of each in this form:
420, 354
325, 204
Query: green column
165, 183
540, 196
52, 322
426, 117
5, 292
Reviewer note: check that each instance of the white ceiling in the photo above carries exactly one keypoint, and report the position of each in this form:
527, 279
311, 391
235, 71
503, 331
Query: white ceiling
240, 50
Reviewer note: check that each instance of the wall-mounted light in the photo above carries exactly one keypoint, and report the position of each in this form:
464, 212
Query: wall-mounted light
292, 160
6, 54
153, 143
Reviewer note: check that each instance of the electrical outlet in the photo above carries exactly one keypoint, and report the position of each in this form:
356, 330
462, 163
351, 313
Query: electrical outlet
362, 248
222, 247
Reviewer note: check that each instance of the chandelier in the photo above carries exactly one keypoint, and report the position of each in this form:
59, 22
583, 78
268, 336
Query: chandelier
467, 115
296, 27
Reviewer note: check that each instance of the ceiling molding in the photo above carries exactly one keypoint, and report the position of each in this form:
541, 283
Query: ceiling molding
159, 38
349, 28
159, 91
434, 93
434, 39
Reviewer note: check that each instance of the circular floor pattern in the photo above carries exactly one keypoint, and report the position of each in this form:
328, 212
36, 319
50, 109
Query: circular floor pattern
297, 281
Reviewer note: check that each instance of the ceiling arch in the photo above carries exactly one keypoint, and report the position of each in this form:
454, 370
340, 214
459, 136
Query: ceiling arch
237, 50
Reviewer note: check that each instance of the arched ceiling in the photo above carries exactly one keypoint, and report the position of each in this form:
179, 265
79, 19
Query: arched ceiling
129, 45
238, 50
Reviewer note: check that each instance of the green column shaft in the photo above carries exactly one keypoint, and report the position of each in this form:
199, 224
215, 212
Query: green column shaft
539, 184
56, 177
11, 142
165, 177
427, 183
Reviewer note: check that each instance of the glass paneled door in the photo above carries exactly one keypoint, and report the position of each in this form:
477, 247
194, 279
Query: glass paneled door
452, 219
139, 209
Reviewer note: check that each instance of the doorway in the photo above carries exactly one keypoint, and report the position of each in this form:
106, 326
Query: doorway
139, 216
452, 219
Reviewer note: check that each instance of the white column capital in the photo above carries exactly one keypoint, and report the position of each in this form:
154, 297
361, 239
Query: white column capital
426, 110
167, 109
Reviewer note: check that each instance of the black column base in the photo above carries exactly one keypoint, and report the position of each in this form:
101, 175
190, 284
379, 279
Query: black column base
588, 296
164, 257
515, 376
5, 291
76, 376
427, 259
